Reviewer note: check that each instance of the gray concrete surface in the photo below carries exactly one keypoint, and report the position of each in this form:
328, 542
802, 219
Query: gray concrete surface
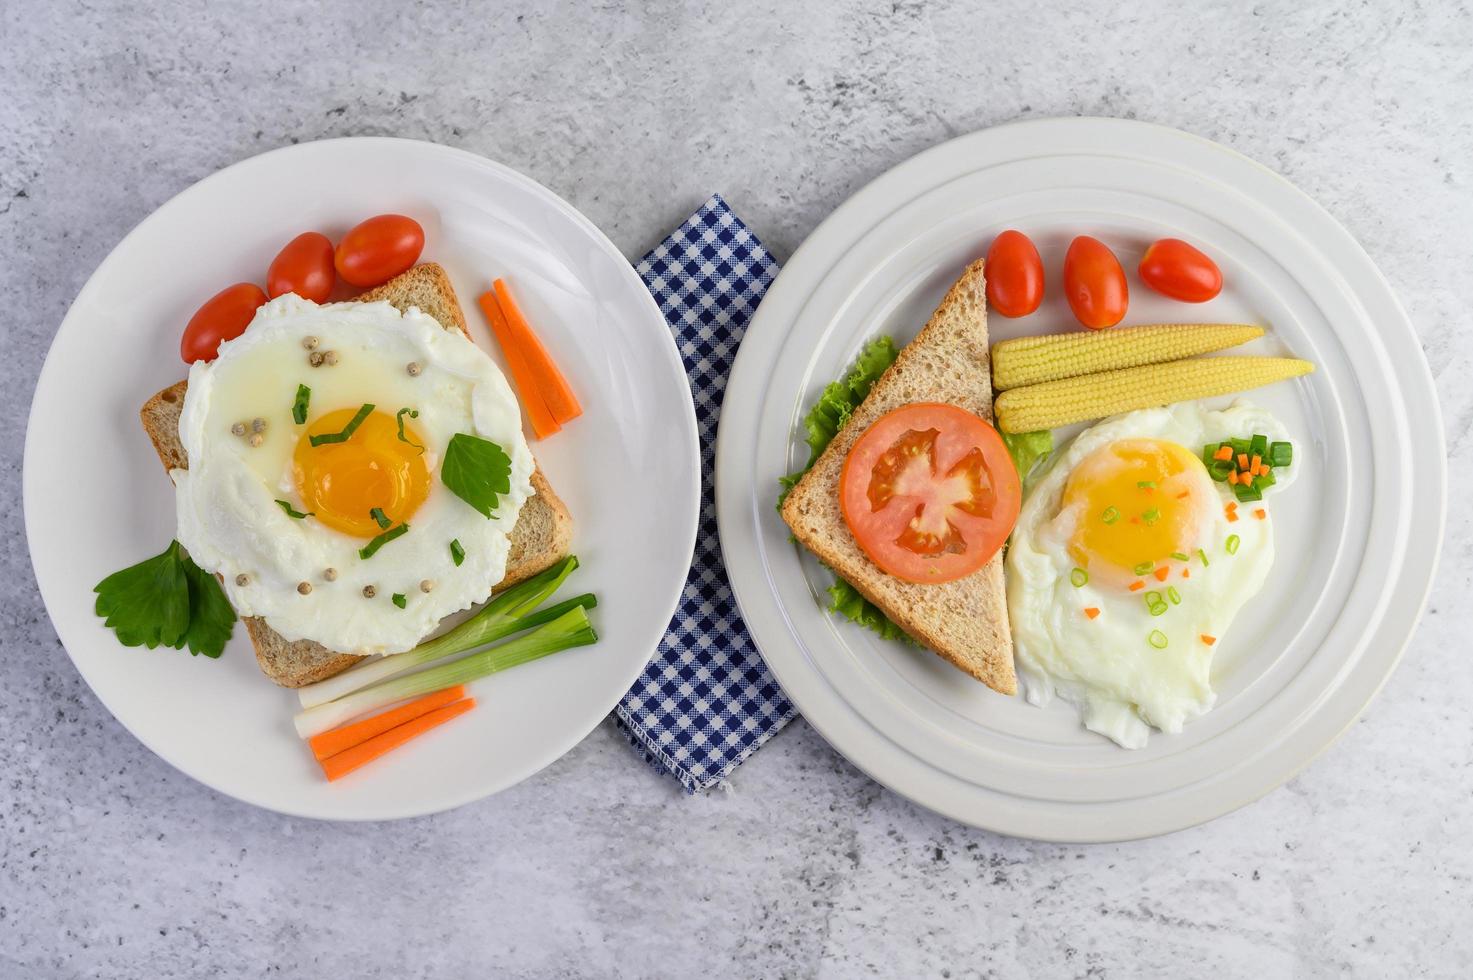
112, 864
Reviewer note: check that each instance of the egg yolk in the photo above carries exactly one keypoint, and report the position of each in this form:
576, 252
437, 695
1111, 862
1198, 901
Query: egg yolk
1135, 502
342, 482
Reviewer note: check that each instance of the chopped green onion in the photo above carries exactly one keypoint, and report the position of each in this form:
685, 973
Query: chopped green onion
1151, 516
379, 517
1232, 544
1203, 555
1247, 493
299, 404
1110, 516
1280, 454
1174, 596
1180, 556
571, 629
1152, 598
399, 419
1144, 568
348, 429
292, 512
1265, 480
457, 553
1157, 639
368, 550
1258, 446
1219, 470
1078, 578
1159, 609
1239, 446
399, 599
1146, 484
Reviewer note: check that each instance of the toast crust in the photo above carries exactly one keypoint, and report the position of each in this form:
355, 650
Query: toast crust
964, 621
542, 535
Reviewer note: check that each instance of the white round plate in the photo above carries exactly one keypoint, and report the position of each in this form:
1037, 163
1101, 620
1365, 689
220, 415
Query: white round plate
97, 500
1358, 532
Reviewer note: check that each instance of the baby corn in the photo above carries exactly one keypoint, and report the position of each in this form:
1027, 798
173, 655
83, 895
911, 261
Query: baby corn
1031, 360
1092, 396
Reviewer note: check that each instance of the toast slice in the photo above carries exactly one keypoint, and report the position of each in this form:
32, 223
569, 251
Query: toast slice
541, 536
965, 621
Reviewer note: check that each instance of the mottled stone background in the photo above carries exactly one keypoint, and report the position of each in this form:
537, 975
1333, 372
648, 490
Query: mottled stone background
113, 864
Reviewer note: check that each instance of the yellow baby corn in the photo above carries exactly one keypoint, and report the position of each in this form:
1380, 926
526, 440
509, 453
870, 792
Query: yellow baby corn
1092, 396
1031, 360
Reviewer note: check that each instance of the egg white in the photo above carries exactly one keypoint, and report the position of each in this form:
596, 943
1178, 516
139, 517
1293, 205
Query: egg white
1121, 684
228, 518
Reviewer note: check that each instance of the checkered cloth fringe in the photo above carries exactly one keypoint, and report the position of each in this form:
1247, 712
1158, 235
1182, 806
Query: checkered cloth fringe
706, 701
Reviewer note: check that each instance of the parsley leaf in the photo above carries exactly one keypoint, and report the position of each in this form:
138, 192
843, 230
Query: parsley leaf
457, 552
399, 419
477, 471
399, 599
292, 512
166, 600
348, 429
367, 551
379, 517
299, 404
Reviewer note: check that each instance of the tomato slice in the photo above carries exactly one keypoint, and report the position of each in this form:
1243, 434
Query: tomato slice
930, 492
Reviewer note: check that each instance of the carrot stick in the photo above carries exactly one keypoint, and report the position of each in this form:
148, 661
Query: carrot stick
550, 381
344, 738
338, 766
543, 423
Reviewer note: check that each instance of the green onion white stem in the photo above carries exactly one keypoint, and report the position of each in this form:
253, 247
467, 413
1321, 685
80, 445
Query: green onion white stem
493, 622
571, 629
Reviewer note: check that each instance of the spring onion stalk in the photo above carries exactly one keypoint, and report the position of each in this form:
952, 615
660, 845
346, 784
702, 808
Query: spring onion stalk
571, 629
486, 626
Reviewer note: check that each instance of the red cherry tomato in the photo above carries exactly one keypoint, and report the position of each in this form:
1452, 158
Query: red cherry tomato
224, 317
1014, 274
1174, 268
379, 249
304, 267
930, 492
1094, 283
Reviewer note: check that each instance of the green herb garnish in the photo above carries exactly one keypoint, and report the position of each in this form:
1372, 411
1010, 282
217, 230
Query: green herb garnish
477, 471
457, 553
378, 515
299, 404
292, 512
1144, 568
1146, 484
1151, 516
1174, 596
1203, 555
1110, 515
368, 550
1079, 578
1180, 556
1157, 639
348, 430
1232, 544
168, 601
398, 599
399, 420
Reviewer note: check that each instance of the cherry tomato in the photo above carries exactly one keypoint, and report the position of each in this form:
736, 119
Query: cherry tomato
224, 317
304, 267
1094, 283
379, 249
1014, 274
1174, 268
930, 492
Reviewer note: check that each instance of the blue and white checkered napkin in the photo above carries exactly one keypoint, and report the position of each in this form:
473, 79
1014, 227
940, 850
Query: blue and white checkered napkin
706, 701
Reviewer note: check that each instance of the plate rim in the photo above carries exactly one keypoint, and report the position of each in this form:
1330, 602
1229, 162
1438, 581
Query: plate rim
737, 509
667, 345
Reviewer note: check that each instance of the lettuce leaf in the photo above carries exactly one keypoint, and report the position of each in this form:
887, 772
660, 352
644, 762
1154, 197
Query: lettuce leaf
824, 420
1028, 449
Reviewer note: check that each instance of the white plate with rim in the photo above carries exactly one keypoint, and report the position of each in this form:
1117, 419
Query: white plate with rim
1326, 631
96, 499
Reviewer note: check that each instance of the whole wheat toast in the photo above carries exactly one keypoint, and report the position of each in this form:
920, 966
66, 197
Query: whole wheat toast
541, 536
965, 621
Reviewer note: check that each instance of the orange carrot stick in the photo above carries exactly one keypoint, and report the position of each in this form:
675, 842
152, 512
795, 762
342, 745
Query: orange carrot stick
549, 380
345, 737
543, 423
338, 766
1091, 612
1137, 586
1161, 573
1209, 640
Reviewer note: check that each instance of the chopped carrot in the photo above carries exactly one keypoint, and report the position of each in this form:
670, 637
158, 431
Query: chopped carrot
1264, 469
1161, 573
1260, 513
543, 423
1184, 495
1186, 573
1137, 586
1232, 517
1257, 462
1091, 612
338, 766
1209, 640
344, 738
1232, 476
550, 381
1223, 454
1242, 461
1135, 520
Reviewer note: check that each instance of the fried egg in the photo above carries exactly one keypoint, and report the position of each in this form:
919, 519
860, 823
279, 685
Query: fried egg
252, 467
1126, 568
